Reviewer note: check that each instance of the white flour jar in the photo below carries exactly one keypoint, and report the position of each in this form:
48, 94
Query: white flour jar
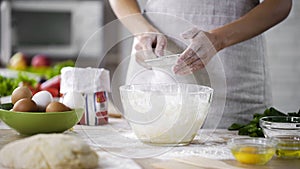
86, 88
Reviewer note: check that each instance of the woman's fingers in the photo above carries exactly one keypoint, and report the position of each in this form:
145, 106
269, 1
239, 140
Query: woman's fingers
146, 42
184, 69
140, 56
189, 52
188, 57
149, 46
138, 47
161, 44
192, 61
190, 34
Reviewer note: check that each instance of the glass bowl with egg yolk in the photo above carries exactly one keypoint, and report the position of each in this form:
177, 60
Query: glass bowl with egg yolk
257, 151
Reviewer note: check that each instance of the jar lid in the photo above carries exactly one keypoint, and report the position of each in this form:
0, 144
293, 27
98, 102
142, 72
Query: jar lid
84, 80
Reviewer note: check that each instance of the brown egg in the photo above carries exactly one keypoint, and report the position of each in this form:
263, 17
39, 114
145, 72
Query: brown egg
20, 93
56, 107
25, 105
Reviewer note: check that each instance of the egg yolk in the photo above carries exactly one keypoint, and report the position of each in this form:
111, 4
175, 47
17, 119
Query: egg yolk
253, 155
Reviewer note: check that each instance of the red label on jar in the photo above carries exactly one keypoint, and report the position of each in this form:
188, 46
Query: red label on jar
101, 97
101, 118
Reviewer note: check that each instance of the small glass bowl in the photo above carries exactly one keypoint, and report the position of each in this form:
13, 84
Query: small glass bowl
257, 151
288, 147
280, 125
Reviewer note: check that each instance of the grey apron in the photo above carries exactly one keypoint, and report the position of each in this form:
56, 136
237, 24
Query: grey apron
244, 64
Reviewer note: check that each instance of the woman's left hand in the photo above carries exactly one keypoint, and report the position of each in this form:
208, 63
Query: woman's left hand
198, 53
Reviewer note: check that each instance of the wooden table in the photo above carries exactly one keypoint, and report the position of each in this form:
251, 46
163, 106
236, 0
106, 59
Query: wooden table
116, 147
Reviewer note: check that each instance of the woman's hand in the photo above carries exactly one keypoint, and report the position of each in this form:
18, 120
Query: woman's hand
150, 45
202, 48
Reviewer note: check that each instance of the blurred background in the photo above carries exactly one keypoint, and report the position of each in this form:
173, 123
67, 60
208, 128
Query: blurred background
283, 49
60, 29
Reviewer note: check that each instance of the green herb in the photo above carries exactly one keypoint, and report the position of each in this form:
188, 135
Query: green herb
57, 68
7, 85
49, 72
236, 126
253, 129
22, 77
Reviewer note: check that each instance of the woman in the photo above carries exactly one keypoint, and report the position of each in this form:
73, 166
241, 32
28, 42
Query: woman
233, 28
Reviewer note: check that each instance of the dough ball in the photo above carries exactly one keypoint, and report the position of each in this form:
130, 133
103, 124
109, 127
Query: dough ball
48, 151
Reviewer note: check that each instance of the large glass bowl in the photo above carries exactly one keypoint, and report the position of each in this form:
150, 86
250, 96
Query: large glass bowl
166, 114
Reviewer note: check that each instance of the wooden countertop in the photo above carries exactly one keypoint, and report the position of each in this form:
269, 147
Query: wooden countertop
213, 149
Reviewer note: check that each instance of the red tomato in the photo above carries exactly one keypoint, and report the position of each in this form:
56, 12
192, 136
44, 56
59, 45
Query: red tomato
51, 83
54, 91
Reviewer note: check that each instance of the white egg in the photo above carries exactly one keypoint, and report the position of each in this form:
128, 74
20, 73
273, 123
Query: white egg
73, 100
42, 99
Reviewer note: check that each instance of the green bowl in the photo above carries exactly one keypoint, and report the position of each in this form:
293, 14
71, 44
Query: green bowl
29, 123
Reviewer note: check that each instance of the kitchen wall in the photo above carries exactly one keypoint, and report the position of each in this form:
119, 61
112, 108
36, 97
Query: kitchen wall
283, 47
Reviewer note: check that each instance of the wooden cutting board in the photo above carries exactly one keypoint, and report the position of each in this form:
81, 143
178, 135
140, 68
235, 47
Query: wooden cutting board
193, 163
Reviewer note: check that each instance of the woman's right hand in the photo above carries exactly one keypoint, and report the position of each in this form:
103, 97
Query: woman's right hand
149, 45
150, 42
